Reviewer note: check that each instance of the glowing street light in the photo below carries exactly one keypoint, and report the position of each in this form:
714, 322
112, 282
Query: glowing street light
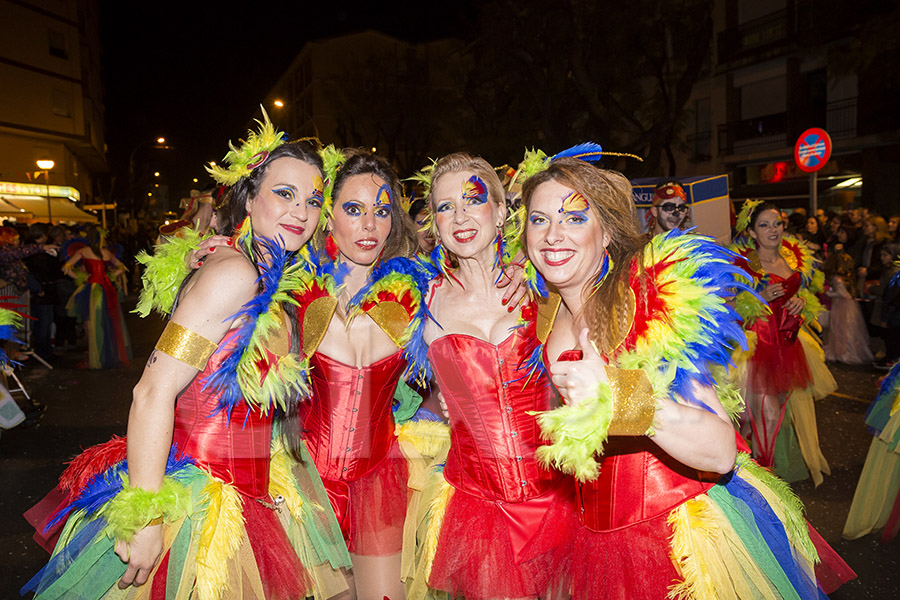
45, 164
160, 140
279, 103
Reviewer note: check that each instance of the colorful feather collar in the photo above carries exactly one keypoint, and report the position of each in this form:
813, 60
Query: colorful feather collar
261, 369
395, 298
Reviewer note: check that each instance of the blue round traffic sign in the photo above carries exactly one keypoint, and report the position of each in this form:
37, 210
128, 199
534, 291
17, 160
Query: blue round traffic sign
812, 150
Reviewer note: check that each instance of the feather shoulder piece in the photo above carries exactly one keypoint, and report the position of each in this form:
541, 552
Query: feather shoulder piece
164, 271
682, 328
395, 297
316, 301
261, 369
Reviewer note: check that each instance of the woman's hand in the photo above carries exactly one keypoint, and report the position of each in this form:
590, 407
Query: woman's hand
795, 305
443, 406
578, 380
141, 555
207, 247
772, 292
513, 279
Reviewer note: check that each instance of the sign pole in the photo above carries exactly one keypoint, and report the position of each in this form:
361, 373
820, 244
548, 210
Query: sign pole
813, 193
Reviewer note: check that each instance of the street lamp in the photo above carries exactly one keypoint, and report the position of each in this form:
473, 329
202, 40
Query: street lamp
160, 144
45, 164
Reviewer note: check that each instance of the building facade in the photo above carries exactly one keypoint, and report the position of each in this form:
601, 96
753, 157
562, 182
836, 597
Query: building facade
51, 105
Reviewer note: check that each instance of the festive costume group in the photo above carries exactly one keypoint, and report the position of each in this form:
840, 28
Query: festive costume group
785, 365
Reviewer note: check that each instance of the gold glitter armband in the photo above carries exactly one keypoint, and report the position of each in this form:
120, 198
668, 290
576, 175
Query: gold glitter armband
633, 403
183, 344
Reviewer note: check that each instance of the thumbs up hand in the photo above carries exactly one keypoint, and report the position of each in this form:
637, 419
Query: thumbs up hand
578, 380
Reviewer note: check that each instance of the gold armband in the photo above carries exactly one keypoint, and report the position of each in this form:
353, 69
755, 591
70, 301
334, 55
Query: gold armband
183, 344
633, 403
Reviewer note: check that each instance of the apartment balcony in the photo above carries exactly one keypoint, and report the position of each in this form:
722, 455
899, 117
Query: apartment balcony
779, 131
756, 36
753, 135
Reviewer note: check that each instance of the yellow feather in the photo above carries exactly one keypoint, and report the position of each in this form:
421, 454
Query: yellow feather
281, 481
220, 537
428, 438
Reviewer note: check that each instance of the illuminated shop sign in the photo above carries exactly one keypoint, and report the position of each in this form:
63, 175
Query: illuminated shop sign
36, 189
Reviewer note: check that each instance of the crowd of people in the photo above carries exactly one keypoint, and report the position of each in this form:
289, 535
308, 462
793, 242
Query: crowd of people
590, 384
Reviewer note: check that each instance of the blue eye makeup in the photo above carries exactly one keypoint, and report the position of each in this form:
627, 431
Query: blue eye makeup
285, 192
352, 208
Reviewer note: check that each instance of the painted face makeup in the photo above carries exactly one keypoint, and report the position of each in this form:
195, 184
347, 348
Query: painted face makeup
565, 240
361, 222
288, 203
466, 220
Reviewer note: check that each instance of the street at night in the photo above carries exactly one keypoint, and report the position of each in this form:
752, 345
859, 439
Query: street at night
87, 407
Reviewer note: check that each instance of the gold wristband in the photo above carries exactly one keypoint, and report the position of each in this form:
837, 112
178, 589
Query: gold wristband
183, 344
633, 402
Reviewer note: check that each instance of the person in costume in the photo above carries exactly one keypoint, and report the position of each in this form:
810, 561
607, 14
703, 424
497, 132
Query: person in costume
498, 524
668, 507
96, 302
670, 209
201, 500
876, 501
361, 341
785, 371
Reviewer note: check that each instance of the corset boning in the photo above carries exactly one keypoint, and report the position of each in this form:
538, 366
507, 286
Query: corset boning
638, 481
234, 448
493, 438
348, 424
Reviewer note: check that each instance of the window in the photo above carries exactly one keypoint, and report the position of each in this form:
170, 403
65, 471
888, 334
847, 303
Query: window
61, 103
57, 44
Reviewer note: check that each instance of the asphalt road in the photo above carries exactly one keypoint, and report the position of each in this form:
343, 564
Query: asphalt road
87, 407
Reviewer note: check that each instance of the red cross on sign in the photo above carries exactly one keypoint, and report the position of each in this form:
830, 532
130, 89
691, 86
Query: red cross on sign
812, 150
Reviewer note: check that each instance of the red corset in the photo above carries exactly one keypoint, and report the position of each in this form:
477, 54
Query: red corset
493, 438
637, 482
348, 425
234, 449
780, 328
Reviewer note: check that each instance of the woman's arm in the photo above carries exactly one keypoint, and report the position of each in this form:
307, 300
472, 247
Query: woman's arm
217, 292
69, 267
694, 436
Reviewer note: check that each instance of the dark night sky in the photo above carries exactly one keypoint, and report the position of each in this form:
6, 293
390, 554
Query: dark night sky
194, 71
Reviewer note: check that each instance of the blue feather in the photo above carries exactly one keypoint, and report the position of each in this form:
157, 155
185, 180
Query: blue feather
104, 486
587, 151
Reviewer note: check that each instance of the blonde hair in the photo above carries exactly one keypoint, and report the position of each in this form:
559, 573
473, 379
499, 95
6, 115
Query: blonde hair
608, 309
463, 161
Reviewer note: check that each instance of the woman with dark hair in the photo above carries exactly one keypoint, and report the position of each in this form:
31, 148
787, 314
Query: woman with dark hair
498, 525
786, 371
359, 348
200, 499
668, 508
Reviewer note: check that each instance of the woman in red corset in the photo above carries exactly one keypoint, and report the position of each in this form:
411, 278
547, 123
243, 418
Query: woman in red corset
667, 506
96, 303
204, 501
348, 426
499, 524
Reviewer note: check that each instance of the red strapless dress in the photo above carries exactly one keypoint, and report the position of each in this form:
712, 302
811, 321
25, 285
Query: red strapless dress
508, 524
349, 432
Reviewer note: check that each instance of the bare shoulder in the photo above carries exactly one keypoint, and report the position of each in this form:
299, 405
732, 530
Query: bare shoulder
222, 285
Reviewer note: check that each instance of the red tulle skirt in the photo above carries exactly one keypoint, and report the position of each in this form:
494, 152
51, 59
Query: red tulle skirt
776, 369
626, 563
476, 557
371, 510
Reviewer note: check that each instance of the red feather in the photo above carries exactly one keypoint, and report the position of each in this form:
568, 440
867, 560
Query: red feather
92, 461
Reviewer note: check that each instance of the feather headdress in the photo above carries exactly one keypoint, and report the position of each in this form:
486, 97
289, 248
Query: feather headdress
332, 160
251, 153
536, 161
743, 218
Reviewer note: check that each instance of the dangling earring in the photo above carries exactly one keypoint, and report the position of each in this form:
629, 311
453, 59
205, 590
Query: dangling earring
244, 236
604, 271
499, 252
440, 259
331, 248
